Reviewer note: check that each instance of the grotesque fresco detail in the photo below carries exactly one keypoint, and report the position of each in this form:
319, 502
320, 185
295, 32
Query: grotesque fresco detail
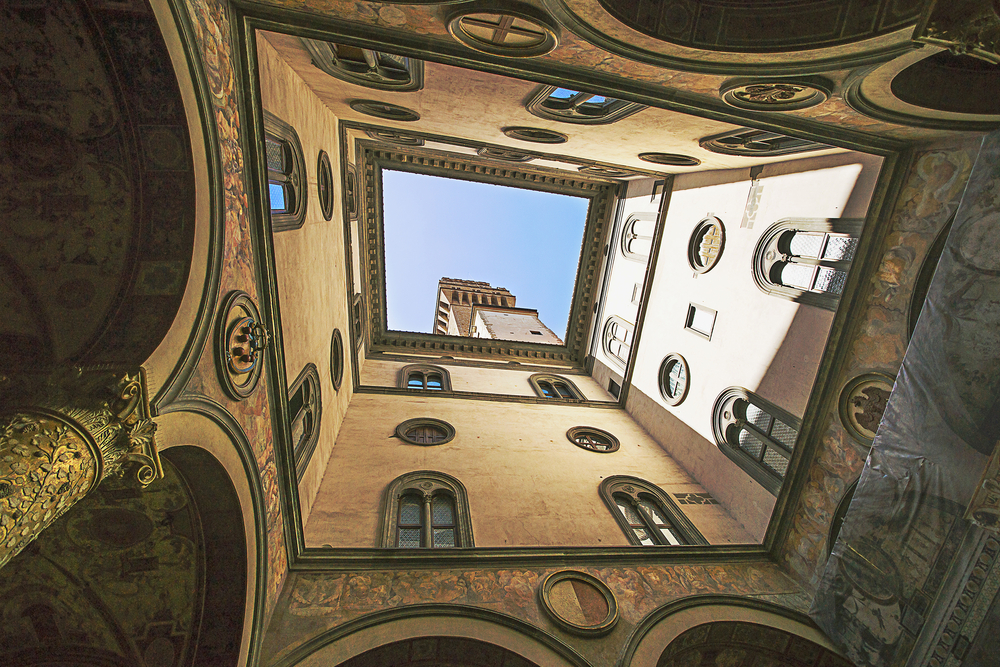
97, 186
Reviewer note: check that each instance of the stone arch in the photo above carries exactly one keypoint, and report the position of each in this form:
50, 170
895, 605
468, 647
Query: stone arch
203, 425
658, 630
455, 622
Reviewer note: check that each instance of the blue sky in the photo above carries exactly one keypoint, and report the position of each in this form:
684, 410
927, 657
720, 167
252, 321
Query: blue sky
524, 240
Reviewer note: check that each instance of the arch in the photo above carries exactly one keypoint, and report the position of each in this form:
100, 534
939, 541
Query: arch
225, 557
806, 259
203, 423
99, 220
424, 377
547, 385
354, 638
756, 435
663, 625
647, 515
432, 493
305, 409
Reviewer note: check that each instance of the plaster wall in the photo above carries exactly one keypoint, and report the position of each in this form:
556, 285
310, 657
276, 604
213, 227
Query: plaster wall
310, 260
506, 380
769, 345
627, 275
528, 485
512, 325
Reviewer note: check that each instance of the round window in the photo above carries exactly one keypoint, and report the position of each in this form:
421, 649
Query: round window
593, 439
324, 177
674, 379
384, 110
521, 34
535, 135
706, 245
670, 159
336, 360
425, 431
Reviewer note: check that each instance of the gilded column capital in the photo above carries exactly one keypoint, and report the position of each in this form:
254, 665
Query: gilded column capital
60, 435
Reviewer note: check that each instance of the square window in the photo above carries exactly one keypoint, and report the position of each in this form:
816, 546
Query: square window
700, 320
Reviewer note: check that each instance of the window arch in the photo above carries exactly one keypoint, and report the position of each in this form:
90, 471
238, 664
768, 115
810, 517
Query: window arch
756, 434
618, 339
807, 260
637, 236
305, 407
426, 509
646, 514
286, 174
424, 376
554, 386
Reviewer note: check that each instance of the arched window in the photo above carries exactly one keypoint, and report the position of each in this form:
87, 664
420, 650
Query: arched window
571, 106
304, 409
807, 260
618, 339
750, 143
426, 509
365, 67
423, 376
756, 434
554, 386
637, 236
646, 514
286, 174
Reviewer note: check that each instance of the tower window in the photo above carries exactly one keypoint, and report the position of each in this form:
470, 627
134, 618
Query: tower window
756, 434
807, 260
554, 386
426, 509
286, 187
646, 514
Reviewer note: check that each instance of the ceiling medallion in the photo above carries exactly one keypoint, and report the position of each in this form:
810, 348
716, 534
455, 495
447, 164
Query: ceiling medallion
579, 603
776, 94
606, 172
520, 31
240, 343
397, 138
384, 110
862, 404
535, 135
670, 159
505, 154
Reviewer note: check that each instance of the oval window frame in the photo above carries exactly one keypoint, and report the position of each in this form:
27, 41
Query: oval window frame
404, 427
694, 243
602, 628
668, 362
572, 433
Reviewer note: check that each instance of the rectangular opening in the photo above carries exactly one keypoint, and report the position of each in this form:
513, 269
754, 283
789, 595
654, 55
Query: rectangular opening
700, 320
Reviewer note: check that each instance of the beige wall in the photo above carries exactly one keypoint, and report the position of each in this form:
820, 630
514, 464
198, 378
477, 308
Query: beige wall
506, 380
310, 260
527, 484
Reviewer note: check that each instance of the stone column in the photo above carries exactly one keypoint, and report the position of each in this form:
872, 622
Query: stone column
60, 435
